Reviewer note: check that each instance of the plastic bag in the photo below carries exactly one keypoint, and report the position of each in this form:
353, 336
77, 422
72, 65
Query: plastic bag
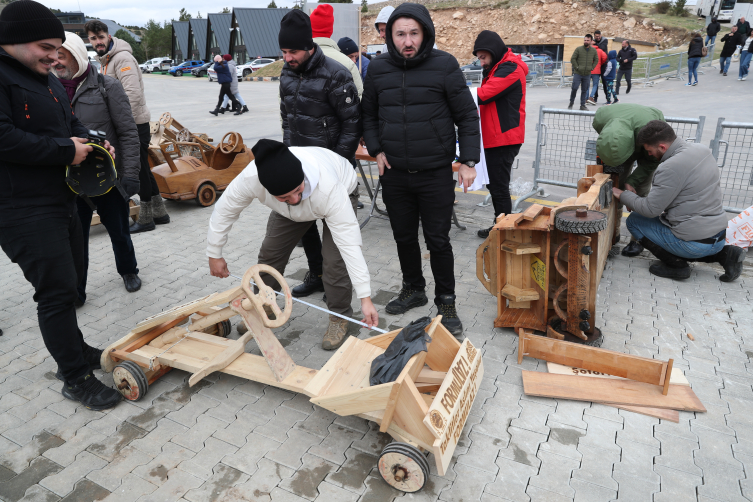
520, 187
410, 341
740, 229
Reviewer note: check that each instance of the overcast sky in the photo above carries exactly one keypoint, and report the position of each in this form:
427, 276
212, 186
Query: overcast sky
138, 12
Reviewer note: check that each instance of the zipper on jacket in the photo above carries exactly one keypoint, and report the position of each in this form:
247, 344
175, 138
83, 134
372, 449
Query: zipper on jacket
326, 131
295, 101
26, 106
405, 124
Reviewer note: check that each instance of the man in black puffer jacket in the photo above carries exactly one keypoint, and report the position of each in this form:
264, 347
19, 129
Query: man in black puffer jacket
413, 97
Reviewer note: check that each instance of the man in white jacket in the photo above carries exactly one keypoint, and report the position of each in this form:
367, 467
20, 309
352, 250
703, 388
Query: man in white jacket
301, 185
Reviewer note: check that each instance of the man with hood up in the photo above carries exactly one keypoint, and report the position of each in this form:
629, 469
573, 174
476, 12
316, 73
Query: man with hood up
413, 97
502, 104
116, 58
617, 145
381, 24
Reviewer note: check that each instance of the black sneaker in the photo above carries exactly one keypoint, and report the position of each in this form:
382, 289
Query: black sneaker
91, 393
92, 356
732, 262
661, 269
484, 232
311, 284
132, 282
632, 249
450, 320
406, 300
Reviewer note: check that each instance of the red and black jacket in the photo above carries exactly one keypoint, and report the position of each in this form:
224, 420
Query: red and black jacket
502, 102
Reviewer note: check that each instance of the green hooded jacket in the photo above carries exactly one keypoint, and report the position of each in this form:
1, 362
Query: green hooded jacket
618, 127
584, 60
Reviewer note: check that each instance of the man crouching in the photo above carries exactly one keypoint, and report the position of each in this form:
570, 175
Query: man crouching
301, 185
682, 218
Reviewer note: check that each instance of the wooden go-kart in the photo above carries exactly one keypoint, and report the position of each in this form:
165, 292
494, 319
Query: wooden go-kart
184, 176
544, 264
424, 409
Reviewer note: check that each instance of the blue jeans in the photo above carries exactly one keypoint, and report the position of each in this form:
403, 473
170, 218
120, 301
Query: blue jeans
745, 63
693, 68
237, 96
713, 39
594, 85
724, 63
660, 234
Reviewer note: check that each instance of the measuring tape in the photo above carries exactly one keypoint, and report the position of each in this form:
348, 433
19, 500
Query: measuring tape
349, 319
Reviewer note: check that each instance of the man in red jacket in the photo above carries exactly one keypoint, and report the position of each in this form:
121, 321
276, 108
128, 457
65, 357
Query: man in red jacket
502, 105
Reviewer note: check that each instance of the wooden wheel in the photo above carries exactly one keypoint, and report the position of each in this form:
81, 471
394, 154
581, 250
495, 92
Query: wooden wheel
206, 195
184, 135
234, 140
224, 328
130, 380
165, 118
266, 296
403, 467
594, 339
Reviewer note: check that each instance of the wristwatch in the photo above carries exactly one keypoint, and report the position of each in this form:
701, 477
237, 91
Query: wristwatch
470, 163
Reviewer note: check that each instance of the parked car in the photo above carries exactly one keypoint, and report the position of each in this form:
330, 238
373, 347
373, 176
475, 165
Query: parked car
476, 66
248, 68
185, 67
154, 64
165, 65
213, 74
201, 71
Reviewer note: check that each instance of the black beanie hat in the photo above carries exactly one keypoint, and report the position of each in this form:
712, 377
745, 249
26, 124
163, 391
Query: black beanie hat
490, 41
27, 21
280, 171
347, 46
295, 31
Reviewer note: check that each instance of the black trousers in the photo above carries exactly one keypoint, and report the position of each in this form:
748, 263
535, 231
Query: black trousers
148, 185
51, 255
499, 164
113, 213
628, 77
225, 90
428, 196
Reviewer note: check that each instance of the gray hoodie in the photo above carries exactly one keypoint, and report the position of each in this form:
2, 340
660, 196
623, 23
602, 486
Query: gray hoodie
685, 193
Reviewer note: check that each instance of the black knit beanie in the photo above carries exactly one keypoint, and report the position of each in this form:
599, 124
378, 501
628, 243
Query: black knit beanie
295, 31
280, 171
490, 41
347, 46
25, 21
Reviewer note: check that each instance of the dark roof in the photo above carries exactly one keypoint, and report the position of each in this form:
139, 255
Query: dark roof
180, 28
260, 29
199, 28
219, 24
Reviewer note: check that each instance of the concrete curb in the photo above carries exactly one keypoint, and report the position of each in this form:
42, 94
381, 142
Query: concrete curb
260, 79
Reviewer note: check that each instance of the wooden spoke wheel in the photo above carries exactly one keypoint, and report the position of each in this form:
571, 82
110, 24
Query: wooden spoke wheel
581, 221
266, 300
206, 195
594, 339
403, 467
230, 142
130, 380
184, 135
165, 118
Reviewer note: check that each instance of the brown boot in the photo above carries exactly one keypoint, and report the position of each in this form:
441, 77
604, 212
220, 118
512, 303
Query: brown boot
337, 332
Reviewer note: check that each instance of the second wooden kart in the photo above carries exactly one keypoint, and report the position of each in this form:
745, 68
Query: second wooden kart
424, 409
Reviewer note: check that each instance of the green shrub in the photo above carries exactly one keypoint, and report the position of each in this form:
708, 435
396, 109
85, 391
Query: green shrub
663, 7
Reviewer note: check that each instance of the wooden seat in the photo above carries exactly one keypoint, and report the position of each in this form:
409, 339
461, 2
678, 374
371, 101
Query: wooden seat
347, 370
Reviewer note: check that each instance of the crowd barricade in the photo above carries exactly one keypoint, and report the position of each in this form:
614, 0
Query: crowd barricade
732, 147
473, 76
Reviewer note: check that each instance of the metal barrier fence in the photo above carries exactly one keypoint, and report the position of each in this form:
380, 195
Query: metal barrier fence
561, 146
472, 76
734, 142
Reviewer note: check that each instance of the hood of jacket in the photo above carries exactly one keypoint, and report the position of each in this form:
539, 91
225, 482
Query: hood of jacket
618, 126
118, 45
384, 16
420, 14
492, 43
612, 55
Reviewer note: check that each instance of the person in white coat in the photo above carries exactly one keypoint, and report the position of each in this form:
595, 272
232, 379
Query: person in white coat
301, 185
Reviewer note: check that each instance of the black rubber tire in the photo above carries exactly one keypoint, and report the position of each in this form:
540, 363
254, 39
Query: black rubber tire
615, 169
594, 340
138, 375
179, 73
224, 328
606, 195
581, 227
411, 452
246, 72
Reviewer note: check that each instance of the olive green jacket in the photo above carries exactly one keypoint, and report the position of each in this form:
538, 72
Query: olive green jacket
584, 60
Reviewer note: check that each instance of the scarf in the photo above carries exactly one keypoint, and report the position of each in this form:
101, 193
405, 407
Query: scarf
72, 85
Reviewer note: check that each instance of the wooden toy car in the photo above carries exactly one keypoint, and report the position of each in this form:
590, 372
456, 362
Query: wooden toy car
516, 261
424, 409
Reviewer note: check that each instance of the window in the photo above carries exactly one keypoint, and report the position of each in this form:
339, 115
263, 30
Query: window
214, 40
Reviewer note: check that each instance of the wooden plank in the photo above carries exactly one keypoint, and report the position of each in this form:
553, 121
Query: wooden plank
429, 376
383, 341
667, 377
509, 222
424, 388
519, 295
636, 368
389, 410
593, 169
520, 248
532, 212
604, 390
357, 401
410, 412
347, 370
174, 334
676, 378
664, 414
442, 349
189, 308
484, 250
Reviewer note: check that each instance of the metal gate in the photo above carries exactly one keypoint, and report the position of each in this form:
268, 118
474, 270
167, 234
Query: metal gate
733, 144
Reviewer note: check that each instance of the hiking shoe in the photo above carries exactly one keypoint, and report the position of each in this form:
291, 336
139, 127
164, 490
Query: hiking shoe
132, 282
732, 261
484, 232
661, 269
725, 74
570, 106
450, 320
583, 108
93, 358
406, 300
337, 332
311, 284
632, 249
91, 393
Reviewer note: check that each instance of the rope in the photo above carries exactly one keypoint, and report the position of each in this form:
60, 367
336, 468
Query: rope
151, 359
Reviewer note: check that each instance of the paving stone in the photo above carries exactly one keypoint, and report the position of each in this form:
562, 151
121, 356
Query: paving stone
37, 493
329, 492
111, 446
22, 432
15, 488
66, 453
603, 411
221, 485
148, 419
306, 478
638, 428
336, 443
177, 484
533, 416
68, 428
284, 419
378, 491
190, 412
354, 471
373, 442
156, 470
272, 398
569, 413
632, 488
596, 467
587, 492
64, 481
715, 448
247, 457
86, 490
541, 495
601, 433
720, 481
9, 401
213, 451
153, 442
19, 459
523, 447
292, 450
194, 438
636, 461
228, 409
554, 474
245, 423
677, 454
472, 485
317, 423
563, 440
280, 495
676, 485
512, 479
123, 463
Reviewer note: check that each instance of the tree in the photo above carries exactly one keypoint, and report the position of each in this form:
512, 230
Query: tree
198, 16
157, 39
184, 15
225, 10
364, 6
272, 5
138, 51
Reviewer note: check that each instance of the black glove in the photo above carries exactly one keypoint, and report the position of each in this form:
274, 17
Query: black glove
131, 186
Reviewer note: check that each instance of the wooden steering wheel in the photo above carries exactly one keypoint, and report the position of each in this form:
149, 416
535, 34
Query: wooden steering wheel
266, 296
233, 141
165, 118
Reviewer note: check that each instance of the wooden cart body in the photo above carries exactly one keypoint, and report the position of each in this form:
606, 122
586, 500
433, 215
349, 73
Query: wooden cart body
518, 263
427, 406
